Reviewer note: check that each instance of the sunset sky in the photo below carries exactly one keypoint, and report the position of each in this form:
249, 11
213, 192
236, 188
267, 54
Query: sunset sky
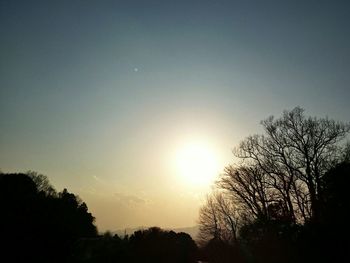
111, 99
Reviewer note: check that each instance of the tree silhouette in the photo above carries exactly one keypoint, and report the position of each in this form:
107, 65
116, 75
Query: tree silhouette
36, 225
286, 188
219, 218
156, 245
292, 157
107, 248
42, 183
150, 245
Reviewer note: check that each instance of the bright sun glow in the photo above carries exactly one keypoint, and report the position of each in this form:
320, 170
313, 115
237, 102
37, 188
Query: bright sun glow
197, 163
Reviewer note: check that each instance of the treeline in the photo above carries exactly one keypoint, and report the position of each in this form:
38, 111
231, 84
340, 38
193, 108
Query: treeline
286, 197
153, 245
285, 200
38, 224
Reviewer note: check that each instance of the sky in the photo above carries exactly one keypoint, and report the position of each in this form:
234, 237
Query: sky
110, 99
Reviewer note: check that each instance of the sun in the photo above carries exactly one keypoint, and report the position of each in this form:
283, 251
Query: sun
197, 163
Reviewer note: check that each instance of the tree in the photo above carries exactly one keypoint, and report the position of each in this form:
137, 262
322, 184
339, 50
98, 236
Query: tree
279, 176
287, 164
209, 227
156, 245
328, 239
41, 225
248, 187
336, 207
42, 183
218, 219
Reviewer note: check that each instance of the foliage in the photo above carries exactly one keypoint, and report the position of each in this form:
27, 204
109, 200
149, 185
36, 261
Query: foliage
155, 245
38, 222
150, 245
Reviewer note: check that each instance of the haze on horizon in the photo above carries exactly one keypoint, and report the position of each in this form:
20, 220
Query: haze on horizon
110, 98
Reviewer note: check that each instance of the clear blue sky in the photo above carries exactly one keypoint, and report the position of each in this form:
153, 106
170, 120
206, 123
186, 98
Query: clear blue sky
100, 95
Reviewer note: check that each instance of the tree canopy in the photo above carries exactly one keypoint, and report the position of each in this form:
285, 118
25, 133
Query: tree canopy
39, 224
37, 221
280, 182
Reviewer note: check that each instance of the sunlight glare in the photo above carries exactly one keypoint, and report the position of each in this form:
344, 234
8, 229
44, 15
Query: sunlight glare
197, 164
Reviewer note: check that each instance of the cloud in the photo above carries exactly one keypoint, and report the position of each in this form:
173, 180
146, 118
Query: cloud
97, 178
130, 199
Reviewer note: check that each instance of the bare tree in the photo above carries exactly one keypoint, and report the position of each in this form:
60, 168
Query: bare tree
218, 218
279, 174
248, 187
209, 227
295, 153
